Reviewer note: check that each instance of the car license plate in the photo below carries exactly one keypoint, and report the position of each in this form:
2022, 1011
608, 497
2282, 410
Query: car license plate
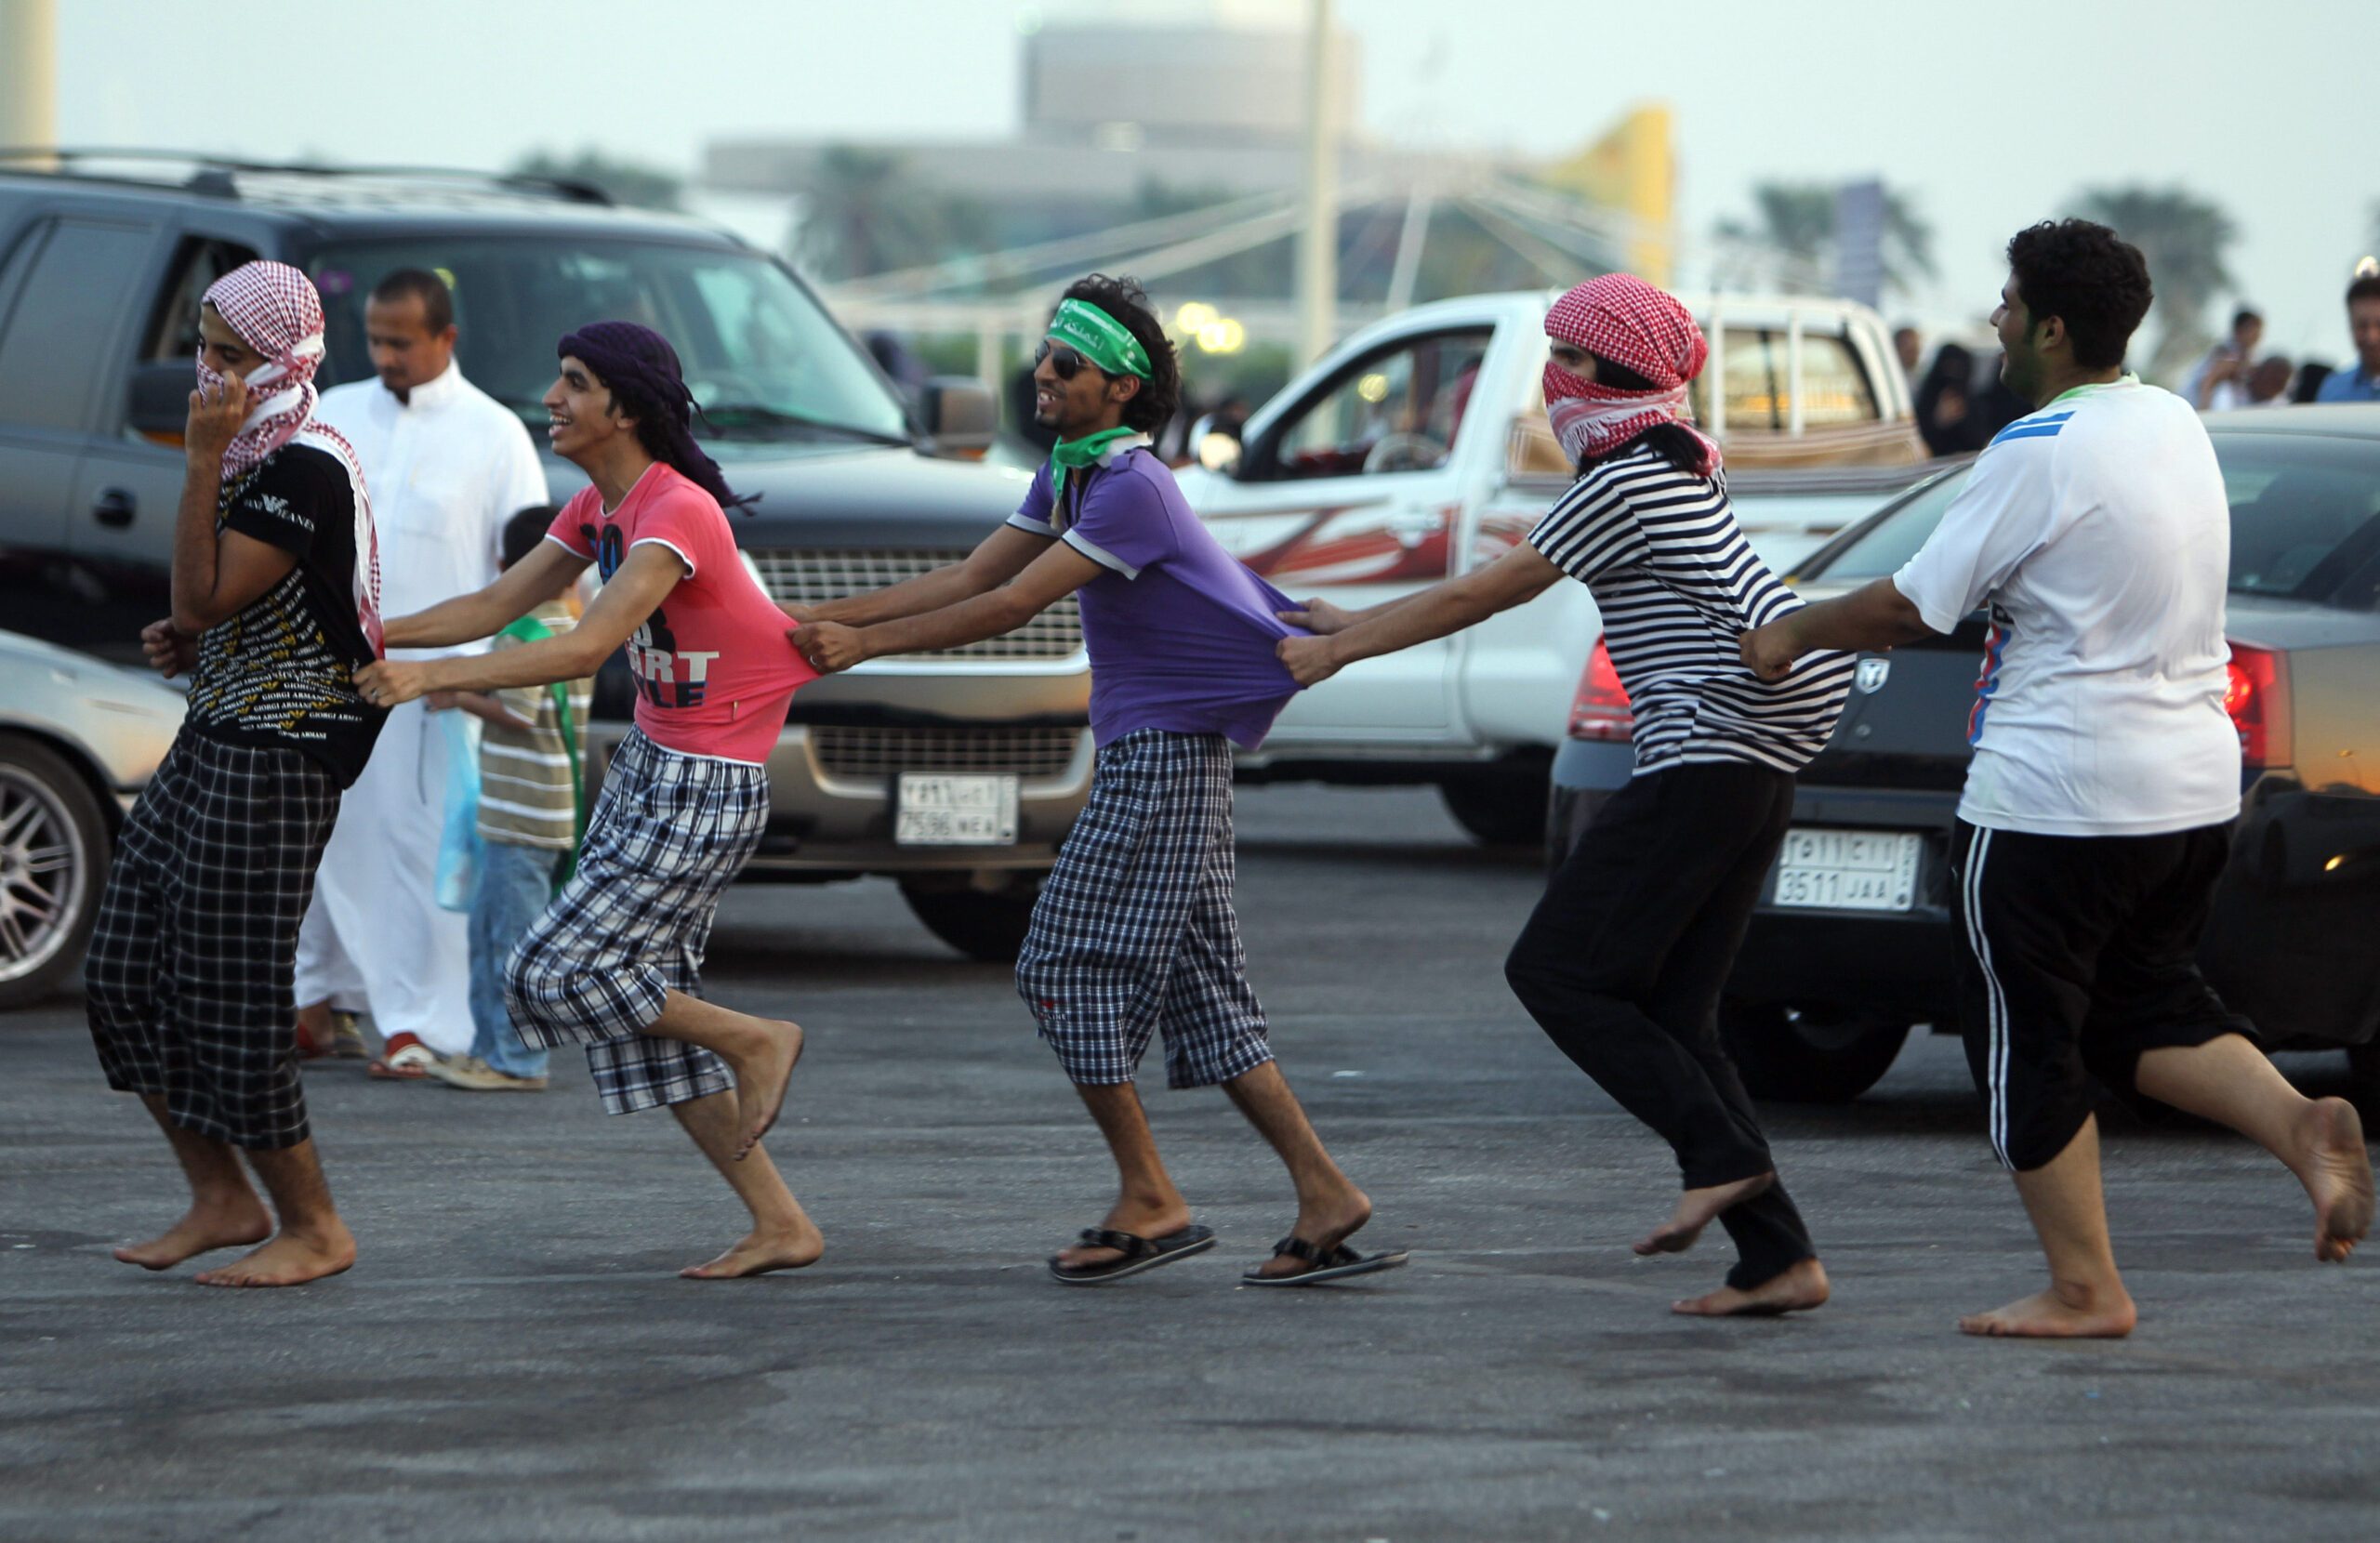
934, 810
1847, 870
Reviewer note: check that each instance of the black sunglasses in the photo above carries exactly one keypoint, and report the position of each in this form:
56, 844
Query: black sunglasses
1064, 361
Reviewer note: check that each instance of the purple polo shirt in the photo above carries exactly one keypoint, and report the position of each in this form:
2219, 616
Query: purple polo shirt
1181, 633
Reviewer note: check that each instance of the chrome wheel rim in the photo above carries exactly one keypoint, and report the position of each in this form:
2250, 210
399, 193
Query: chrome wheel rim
45, 871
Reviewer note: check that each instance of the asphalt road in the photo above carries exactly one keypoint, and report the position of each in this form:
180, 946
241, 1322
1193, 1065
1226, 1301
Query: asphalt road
513, 1358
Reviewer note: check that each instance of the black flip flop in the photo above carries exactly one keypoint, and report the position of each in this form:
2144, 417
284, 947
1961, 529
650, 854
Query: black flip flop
1334, 1265
1138, 1253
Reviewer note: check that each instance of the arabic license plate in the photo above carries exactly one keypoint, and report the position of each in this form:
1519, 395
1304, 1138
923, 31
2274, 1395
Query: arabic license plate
932, 809
1847, 870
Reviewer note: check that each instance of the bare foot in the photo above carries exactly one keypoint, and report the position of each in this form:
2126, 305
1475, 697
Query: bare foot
1140, 1219
759, 1252
1695, 1210
2336, 1170
761, 1076
1326, 1224
1795, 1288
2049, 1315
206, 1225
292, 1259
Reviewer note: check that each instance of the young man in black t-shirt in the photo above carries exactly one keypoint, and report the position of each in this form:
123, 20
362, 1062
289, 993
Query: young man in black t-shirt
276, 604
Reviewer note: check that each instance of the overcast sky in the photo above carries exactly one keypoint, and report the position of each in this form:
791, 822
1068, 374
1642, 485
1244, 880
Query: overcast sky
1991, 115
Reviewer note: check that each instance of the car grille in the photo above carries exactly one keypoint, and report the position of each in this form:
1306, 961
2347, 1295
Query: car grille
800, 577
849, 752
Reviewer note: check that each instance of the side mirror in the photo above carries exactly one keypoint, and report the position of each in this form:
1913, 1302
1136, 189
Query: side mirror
157, 405
1216, 442
959, 418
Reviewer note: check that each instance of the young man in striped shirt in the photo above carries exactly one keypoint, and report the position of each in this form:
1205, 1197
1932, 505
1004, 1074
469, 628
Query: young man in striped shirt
531, 813
1622, 963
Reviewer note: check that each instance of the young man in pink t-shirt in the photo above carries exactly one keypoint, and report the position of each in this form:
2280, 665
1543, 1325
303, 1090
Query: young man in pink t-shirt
613, 964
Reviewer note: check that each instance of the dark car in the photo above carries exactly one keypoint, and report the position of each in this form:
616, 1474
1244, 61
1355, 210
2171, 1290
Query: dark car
1852, 943
102, 265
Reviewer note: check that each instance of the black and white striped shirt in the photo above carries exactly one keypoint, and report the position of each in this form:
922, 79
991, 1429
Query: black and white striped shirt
1678, 585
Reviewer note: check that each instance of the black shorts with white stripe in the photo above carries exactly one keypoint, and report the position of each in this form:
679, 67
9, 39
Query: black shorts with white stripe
188, 984
668, 835
2081, 955
1135, 930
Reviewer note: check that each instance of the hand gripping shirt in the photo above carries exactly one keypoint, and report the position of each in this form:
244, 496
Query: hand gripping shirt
1182, 634
713, 668
2098, 534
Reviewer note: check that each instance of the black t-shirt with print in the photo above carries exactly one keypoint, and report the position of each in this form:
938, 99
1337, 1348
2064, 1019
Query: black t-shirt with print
281, 672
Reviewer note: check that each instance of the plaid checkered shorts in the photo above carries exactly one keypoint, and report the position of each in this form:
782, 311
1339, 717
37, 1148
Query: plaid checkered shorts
188, 981
668, 834
1134, 930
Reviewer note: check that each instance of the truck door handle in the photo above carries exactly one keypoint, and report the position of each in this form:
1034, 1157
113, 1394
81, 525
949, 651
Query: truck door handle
114, 508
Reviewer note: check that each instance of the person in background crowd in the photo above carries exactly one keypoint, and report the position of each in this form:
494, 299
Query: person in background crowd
275, 594
2219, 381
2312, 376
533, 811
1622, 962
1135, 932
2268, 382
2361, 383
1909, 347
1946, 419
447, 465
2098, 805
616, 962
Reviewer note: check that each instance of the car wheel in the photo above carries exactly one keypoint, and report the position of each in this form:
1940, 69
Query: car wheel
1814, 1057
983, 924
1504, 807
53, 860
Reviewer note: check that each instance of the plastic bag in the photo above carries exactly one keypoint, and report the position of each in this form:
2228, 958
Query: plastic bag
458, 845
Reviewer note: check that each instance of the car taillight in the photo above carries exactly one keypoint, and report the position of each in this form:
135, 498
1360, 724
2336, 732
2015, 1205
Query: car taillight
2257, 699
1600, 710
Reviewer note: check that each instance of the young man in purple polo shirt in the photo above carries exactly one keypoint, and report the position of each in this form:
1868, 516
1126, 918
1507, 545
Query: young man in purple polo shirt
1134, 932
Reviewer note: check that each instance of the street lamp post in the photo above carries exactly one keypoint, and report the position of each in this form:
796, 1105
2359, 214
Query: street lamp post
1318, 270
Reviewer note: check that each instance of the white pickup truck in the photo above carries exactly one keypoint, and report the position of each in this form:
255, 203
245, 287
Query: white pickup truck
1418, 449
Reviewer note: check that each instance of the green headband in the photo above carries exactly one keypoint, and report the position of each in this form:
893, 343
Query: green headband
1098, 337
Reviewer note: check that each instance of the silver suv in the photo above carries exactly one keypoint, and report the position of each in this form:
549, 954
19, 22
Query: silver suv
957, 774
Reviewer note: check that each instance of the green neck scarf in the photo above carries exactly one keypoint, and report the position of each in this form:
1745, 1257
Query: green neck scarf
1076, 455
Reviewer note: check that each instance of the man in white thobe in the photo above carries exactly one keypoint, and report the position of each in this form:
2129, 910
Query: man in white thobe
447, 465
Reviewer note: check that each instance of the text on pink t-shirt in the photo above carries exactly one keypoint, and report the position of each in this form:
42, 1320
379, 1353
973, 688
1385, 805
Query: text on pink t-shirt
713, 668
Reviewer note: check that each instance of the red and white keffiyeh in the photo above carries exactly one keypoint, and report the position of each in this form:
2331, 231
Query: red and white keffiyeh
275, 310
1623, 319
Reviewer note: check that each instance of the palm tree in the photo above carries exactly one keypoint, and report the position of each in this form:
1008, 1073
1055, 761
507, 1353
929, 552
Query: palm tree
1795, 220
2184, 238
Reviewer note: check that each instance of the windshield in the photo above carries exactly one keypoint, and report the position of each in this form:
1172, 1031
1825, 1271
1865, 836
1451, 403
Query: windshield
755, 346
2305, 516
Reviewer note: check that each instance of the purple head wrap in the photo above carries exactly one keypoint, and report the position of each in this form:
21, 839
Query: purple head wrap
641, 370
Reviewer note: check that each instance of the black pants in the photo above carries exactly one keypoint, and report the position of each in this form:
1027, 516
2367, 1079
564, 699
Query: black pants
2082, 954
1624, 960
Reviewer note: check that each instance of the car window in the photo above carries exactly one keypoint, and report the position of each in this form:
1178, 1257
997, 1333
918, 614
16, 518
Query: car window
1760, 390
749, 337
2305, 518
1396, 411
64, 319
172, 324
2302, 510
1881, 548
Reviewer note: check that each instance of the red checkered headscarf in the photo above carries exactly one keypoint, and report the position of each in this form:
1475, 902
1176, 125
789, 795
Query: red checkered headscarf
1625, 320
275, 310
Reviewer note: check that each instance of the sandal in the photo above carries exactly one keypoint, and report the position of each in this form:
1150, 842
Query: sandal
1321, 1265
409, 1063
1136, 1253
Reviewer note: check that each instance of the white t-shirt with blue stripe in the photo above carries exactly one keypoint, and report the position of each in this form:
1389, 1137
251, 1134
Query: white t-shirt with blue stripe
2097, 533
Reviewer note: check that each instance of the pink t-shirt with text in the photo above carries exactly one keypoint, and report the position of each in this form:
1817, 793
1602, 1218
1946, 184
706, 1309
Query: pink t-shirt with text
714, 669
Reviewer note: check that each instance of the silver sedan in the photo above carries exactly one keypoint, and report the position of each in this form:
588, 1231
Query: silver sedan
78, 739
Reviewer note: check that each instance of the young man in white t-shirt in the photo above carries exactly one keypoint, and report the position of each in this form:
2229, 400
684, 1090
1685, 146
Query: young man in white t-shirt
2098, 806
